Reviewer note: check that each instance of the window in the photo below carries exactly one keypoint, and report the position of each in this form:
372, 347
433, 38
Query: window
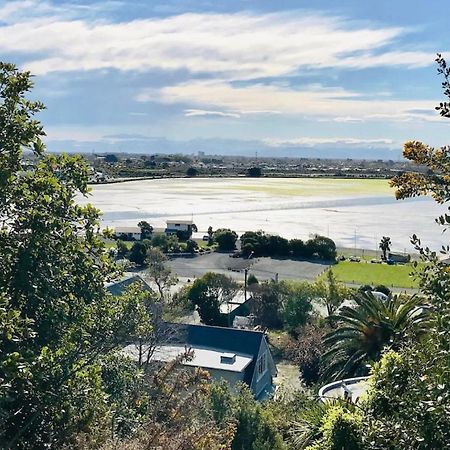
262, 364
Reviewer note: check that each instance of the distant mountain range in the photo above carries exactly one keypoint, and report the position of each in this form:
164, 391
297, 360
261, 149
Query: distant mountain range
149, 145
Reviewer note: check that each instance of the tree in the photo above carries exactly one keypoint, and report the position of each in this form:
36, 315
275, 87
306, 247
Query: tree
191, 246
226, 239
146, 230
59, 325
323, 247
331, 292
208, 293
192, 172
158, 272
111, 158
296, 303
305, 347
254, 172
385, 246
160, 240
365, 330
297, 248
138, 253
122, 249
266, 305
210, 235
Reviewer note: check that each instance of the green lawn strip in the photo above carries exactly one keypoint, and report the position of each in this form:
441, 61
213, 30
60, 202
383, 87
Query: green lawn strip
374, 274
113, 244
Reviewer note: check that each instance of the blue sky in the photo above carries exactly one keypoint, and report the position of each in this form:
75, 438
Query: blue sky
325, 78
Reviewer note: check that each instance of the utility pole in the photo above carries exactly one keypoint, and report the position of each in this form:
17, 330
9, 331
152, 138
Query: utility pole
245, 284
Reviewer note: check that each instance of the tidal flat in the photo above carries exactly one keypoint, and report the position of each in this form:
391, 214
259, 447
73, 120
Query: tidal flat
353, 212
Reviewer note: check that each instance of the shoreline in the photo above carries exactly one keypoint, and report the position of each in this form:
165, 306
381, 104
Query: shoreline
240, 177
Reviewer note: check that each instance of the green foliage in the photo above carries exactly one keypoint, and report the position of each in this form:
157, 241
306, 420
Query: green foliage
252, 280
385, 246
261, 244
305, 347
122, 249
254, 429
225, 239
254, 172
160, 240
328, 426
146, 229
191, 172
138, 253
366, 329
296, 304
159, 273
331, 292
208, 293
191, 246
266, 305
58, 323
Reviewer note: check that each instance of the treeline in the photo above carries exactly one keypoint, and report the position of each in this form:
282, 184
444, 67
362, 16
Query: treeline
261, 244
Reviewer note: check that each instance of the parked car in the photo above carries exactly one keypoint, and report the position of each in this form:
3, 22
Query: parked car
205, 238
355, 259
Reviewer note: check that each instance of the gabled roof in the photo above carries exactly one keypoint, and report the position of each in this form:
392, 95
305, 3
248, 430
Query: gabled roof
225, 339
119, 287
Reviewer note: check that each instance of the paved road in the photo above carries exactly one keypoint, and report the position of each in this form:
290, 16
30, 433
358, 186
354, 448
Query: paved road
262, 268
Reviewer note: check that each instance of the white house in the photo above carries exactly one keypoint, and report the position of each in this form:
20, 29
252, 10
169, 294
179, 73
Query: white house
172, 226
128, 233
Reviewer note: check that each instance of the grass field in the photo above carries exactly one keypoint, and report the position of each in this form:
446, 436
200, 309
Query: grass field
316, 187
373, 274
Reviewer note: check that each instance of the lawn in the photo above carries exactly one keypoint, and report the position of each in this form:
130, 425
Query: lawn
322, 187
373, 274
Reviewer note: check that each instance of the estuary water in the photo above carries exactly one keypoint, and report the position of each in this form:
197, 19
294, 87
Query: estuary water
355, 213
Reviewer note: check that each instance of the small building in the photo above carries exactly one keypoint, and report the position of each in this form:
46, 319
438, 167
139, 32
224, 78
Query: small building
119, 287
238, 306
398, 258
128, 233
176, 226
226, 353
350, 389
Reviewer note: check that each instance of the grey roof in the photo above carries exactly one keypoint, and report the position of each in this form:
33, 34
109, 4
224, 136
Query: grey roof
207, 358
225, 339
119, 287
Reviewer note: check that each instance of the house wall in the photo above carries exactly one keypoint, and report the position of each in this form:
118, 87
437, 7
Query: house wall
174, 226
263, 381
231, 377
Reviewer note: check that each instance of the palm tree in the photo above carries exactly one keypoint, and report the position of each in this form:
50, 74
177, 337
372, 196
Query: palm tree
366, 329
385, 245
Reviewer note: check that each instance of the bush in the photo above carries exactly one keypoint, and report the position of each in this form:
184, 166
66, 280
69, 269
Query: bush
191, 246
305, 349
122, 249
225, 239
254, 172
138, 253
192, 172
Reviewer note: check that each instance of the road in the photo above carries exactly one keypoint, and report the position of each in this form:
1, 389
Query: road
262, 268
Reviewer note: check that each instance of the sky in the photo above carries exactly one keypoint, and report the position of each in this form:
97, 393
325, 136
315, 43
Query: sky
329, 78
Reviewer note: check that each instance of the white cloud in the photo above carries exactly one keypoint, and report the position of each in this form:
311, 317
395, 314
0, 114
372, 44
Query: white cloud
236, 46
334, 103
314, 141
202, 112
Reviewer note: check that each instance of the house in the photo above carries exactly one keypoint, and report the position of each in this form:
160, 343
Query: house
226, 353
120, 286
238, 306
185, 227
128, 233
